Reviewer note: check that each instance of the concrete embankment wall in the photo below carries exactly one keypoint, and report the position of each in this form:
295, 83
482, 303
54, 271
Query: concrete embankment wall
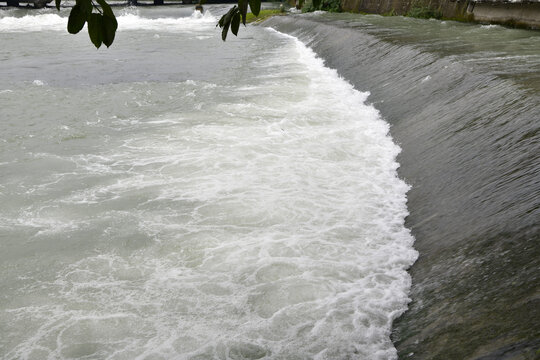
523, 14
401, 7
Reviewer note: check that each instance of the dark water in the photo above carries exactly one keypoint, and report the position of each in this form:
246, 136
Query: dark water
463, 103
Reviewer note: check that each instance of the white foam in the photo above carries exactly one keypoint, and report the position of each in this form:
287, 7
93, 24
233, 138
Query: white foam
126, 22
490, 26
196, 21
268, 224
30, 23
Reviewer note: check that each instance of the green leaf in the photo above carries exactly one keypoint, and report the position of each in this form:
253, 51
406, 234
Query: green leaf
230, 13
109, 27
107, 11
255, 6
224, 31
243, 7
57, 3
225, 21
202, 2
76, 20
317, 4
85, 6
95, 29
221, 21
235, 24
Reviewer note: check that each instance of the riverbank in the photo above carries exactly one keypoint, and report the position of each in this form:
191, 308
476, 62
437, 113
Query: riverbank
464, 111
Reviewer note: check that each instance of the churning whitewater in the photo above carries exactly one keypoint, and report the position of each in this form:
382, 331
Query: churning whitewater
176, 197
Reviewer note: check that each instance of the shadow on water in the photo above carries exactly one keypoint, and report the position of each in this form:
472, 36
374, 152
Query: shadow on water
463, 103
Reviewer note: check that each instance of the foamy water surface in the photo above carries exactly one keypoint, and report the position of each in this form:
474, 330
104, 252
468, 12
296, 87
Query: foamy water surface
247, 213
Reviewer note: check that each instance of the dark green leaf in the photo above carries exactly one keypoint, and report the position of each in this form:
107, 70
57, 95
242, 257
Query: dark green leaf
317, 4
255, 6
85, 6
109, 30
107, 11
108, 23
224, 31
95, 29
76, 20
57, 3
221, 21
243, 7
202, 2
225, 21
235, 24
230, 13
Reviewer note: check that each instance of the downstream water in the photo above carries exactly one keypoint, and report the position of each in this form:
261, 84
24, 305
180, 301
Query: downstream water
177, 197
463, 101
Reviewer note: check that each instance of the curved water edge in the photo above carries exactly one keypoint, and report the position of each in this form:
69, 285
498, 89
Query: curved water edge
192, 205
463, 103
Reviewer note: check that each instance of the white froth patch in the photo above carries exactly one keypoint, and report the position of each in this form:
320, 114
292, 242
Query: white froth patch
28, 23
196, 21
126, 22
269, 225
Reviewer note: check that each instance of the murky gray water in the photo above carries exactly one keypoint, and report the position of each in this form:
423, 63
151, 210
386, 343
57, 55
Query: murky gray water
463, 103
176, 197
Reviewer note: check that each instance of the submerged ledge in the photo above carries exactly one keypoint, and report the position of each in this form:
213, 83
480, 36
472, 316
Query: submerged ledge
467, 140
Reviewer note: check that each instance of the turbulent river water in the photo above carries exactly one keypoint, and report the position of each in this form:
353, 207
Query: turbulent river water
177, 197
